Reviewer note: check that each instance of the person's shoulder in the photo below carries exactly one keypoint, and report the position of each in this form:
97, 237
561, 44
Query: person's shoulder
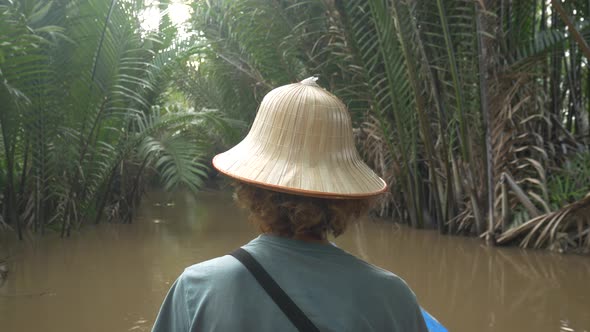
387, 280
217, 265
215, 270
397, 295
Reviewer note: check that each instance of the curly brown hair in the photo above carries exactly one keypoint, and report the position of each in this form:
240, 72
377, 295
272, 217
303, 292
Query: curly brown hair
293, 215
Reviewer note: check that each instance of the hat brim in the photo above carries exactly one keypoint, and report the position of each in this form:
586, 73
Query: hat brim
299, 191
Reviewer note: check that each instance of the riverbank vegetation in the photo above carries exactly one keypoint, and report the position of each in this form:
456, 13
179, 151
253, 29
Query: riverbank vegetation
85, 114
475, 112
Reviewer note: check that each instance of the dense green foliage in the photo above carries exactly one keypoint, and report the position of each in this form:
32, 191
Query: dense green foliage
476, 112
83, 112
471, 110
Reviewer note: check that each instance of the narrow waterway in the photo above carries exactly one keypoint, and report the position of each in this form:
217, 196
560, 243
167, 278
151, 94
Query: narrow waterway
113, 277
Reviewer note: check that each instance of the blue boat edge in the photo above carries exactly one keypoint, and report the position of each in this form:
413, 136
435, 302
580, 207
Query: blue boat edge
432, 324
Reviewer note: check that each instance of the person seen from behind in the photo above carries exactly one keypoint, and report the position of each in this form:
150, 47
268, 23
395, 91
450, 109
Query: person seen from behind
299, 175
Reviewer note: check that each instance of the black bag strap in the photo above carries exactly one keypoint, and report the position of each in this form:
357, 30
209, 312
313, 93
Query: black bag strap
278, 295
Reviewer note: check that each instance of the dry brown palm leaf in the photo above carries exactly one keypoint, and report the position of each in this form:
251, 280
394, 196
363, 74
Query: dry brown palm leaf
376, 153
565, 229
464, 220
518, 151
520, 194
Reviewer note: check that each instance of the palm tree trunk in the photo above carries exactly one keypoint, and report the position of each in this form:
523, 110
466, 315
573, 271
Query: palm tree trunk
9, 142
554, 81
425, 130
485, 64
11, 201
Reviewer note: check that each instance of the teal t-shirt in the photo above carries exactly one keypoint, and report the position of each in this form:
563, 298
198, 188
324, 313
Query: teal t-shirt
336, 290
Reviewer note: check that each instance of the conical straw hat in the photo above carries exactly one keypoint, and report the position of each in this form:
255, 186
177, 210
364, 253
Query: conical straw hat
301, 142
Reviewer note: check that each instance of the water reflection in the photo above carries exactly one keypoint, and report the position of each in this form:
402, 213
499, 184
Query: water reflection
470, 287
113, 277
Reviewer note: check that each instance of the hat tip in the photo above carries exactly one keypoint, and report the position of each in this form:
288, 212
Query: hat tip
311, 81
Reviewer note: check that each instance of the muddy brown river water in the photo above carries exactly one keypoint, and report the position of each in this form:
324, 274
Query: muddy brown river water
113, 277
